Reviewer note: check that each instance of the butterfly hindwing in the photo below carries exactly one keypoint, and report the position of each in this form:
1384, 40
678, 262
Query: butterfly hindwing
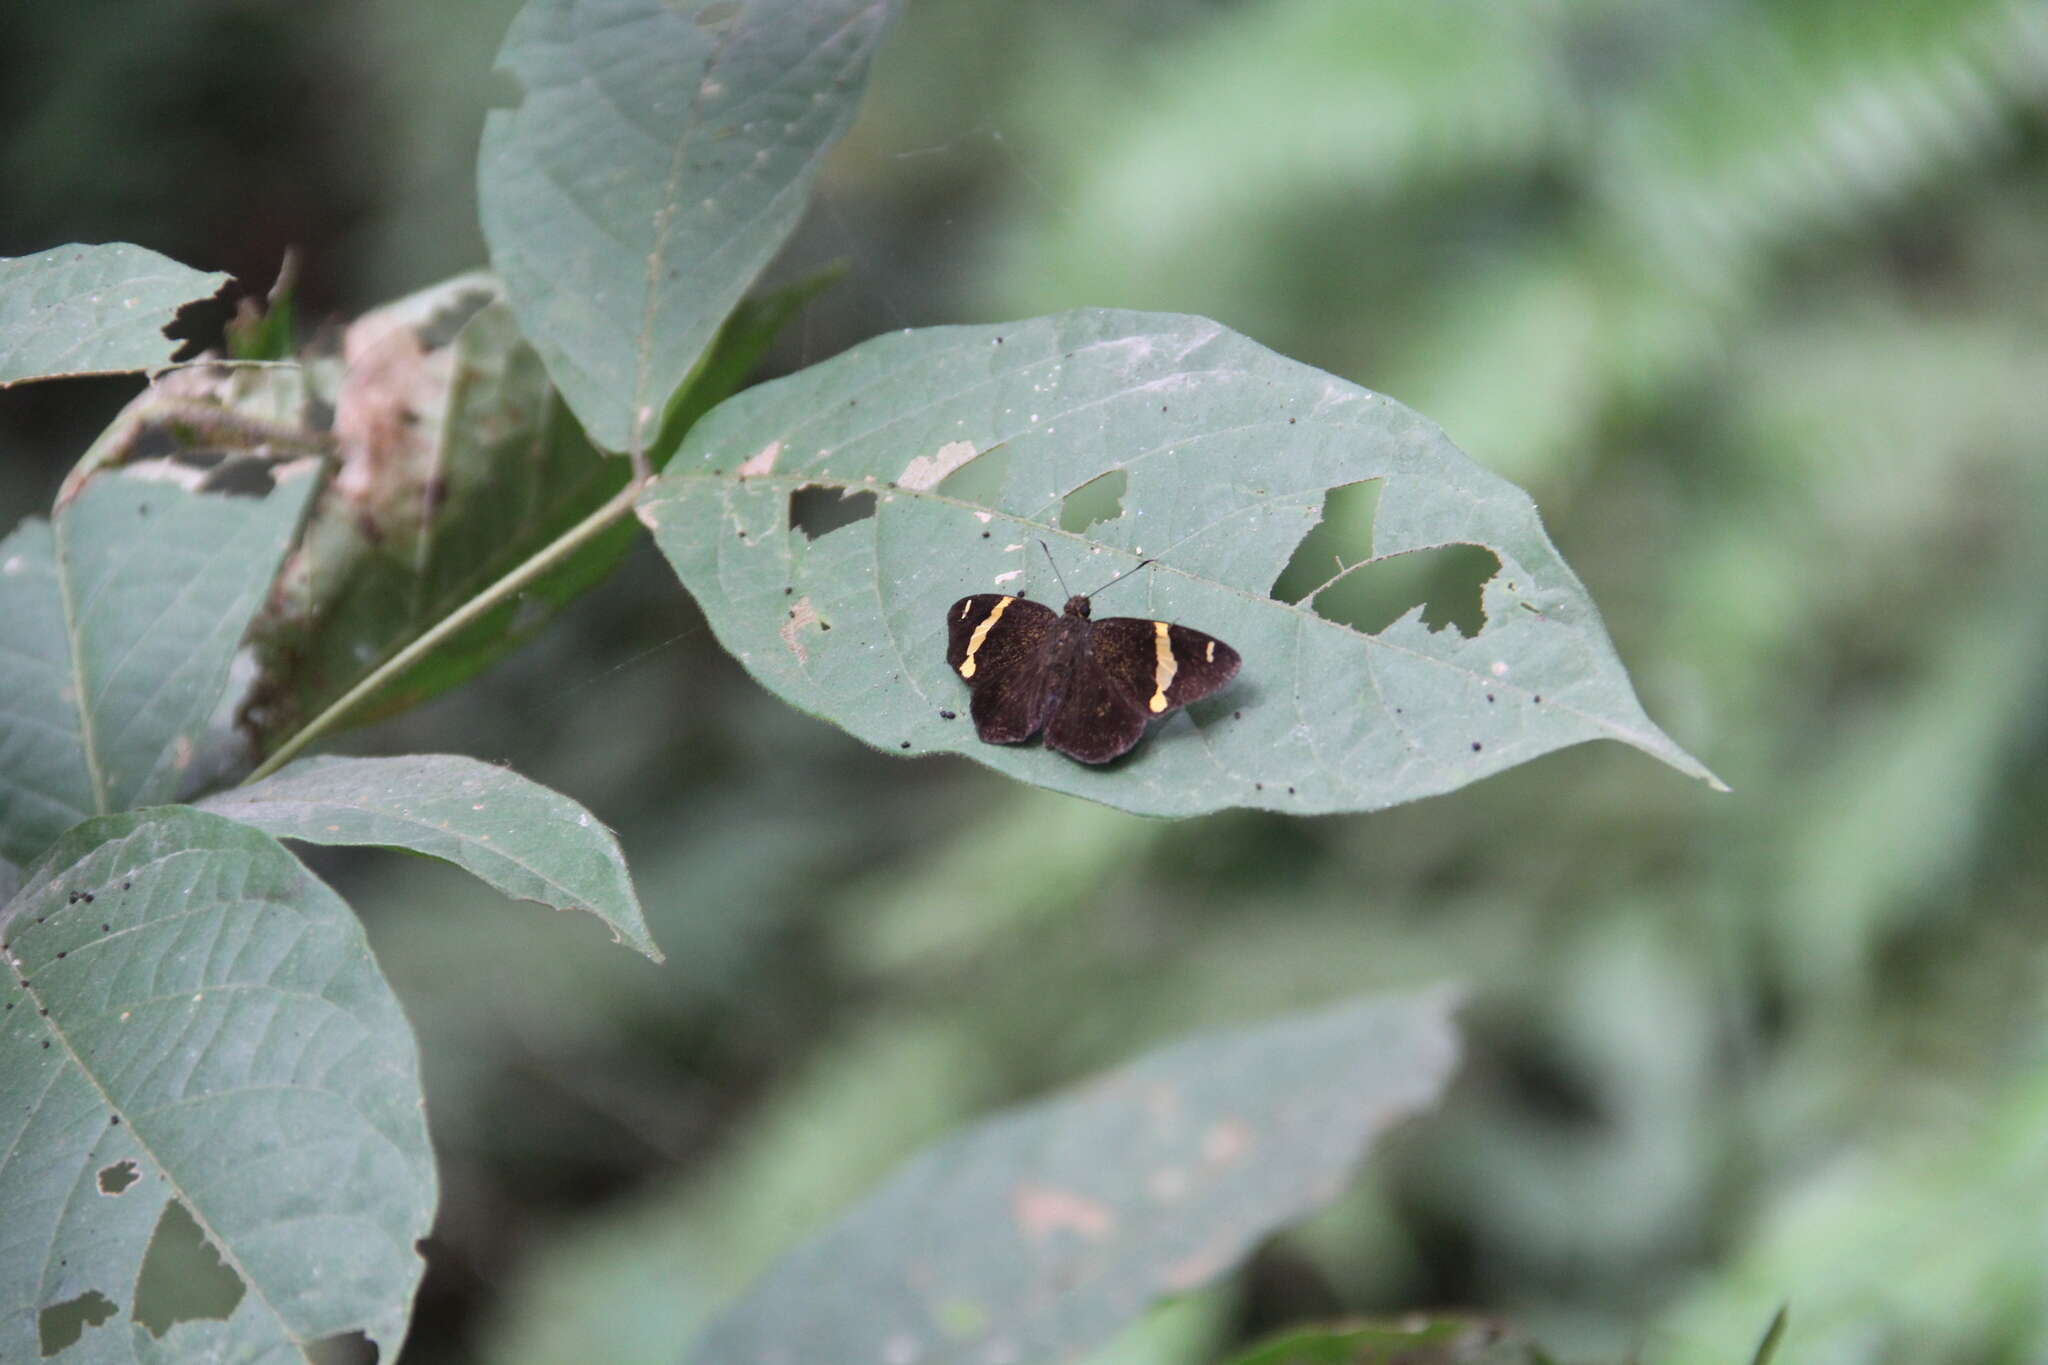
997, 645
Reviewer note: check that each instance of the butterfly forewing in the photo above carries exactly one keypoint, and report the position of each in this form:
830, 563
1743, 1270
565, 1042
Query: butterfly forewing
998, 646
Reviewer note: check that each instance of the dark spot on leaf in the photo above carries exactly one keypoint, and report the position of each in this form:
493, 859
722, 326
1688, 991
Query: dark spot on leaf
1475, 746
999, 341
904, 745
106, 928
124, 886
1258, 786
788, 591
86, 896
1489, 698
1237, 715
816, 510
1099, 499
142, 509
114, 1121
59, 1326
60, 957
1290, 791
46, 1041
949, 715
984, 535
1539, 698
116, 1179
182, 1276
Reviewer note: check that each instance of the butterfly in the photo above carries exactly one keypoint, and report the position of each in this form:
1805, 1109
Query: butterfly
1092, 686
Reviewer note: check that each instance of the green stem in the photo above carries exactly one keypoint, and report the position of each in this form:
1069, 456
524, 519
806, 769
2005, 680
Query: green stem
584, 531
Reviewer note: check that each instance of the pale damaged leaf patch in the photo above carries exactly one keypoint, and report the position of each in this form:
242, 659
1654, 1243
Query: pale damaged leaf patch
926, 470
924, 466
1039, 1233
802, 617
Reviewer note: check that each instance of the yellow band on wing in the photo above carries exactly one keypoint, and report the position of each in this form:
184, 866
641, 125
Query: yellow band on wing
1165, 667
981, 631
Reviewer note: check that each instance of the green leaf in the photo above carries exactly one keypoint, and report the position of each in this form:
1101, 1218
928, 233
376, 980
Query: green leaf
458, 463
966, 445
659, 157
517, 835
123, 616
192, 1019
92, 310
1434, 1341
1041, 1232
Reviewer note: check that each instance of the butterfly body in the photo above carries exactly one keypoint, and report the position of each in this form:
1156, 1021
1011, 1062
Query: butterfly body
1090, 685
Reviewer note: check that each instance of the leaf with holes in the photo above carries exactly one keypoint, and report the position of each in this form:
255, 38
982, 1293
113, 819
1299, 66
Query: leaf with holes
1043, 1231
92, 310
195, 1036
514, 833
122, 616
659, 157
826, 522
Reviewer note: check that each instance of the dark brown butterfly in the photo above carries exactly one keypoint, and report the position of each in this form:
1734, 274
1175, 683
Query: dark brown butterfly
1090, 685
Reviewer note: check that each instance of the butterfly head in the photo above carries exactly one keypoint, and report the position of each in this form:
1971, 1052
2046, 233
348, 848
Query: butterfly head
1077, 605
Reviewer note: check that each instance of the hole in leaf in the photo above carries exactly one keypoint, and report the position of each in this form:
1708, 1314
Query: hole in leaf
183, 1277
1099, 499
980, 481
343, 1348
1343, 535
1446, 580
116, 1179
59, 1326
818, 511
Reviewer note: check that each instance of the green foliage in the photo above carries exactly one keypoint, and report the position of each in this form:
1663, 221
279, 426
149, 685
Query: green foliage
967, 444
91, 310
1038, 1233
657, 160
516, 835
123, 615
193, 1018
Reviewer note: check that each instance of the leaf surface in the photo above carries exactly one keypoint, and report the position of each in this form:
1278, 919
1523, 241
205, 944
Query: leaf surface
458, 462
964, 444
659, 157
1038, 1234
81, 309
190, 1015
122, 617
515, 834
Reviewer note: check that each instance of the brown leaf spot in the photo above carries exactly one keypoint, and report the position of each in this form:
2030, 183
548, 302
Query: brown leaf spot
924, 471
1041, 1211
802, 615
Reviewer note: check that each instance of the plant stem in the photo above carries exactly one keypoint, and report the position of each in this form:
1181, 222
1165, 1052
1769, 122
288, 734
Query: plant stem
619, 506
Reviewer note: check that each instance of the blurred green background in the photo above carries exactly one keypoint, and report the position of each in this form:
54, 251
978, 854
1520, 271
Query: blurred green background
1750, 296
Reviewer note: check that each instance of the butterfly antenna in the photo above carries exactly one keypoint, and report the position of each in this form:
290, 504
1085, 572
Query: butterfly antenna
1055, 568
1122, 576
